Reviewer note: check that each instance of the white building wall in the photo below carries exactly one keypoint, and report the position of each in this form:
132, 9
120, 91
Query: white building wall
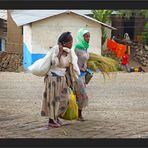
3, 44
108, 32
45, 32
27, 36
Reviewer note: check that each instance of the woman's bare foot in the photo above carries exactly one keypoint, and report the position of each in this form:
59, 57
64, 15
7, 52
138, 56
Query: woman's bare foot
53, 123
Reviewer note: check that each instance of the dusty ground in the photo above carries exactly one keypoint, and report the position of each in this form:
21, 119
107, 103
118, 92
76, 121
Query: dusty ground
118, 108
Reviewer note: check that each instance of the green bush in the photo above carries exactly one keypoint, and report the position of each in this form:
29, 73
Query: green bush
145, 34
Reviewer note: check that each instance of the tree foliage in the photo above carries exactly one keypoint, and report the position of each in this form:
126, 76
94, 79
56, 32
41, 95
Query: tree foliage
145, 34
102, 16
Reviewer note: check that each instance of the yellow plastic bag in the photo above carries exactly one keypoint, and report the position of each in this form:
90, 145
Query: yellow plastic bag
72, 110
136, 69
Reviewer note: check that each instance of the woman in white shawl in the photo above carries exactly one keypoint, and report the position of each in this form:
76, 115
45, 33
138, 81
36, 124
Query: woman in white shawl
56, 95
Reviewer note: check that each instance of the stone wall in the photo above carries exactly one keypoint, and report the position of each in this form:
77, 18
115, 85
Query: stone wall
10, 62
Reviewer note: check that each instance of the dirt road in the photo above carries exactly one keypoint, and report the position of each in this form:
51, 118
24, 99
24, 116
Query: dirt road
118, 108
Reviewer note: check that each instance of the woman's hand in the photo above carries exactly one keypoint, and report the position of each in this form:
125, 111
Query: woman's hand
83, 69
60, 51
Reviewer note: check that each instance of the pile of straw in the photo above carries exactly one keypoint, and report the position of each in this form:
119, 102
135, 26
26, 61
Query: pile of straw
101, 63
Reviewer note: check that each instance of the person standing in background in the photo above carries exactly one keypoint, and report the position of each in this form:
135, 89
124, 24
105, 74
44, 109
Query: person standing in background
125, 61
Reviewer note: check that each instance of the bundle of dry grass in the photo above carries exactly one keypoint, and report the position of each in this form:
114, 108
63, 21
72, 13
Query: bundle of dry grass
104, 64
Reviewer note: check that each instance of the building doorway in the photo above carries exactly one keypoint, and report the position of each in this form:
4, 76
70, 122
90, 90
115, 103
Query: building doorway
129, 25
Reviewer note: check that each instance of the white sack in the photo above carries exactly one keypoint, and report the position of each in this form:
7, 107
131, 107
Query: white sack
42, 66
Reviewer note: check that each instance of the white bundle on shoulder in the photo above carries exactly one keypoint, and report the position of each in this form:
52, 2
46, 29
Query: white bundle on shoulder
75, 62
43, 65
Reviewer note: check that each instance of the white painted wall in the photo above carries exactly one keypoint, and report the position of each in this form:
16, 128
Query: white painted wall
45, 32
27, 36
108, 32
3, 44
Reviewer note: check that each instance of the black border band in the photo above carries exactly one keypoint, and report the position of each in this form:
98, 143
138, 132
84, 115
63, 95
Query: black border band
74, 143
70, 4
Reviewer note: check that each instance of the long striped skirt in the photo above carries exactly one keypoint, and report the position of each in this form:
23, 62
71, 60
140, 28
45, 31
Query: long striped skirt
55, 97
81, 95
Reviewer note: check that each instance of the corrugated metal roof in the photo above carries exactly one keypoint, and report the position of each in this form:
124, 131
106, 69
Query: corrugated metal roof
3, 14
22, 17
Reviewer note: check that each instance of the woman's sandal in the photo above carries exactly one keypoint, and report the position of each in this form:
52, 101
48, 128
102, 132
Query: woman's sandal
54, 124
59, 122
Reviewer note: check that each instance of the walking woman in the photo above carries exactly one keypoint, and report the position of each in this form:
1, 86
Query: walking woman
83, 37
55, 94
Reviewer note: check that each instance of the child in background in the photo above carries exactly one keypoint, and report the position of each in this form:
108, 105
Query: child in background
125, 61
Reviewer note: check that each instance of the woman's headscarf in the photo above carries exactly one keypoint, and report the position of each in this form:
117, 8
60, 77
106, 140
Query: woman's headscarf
81, 43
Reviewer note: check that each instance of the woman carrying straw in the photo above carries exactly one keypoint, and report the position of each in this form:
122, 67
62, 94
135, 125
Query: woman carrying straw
83, 37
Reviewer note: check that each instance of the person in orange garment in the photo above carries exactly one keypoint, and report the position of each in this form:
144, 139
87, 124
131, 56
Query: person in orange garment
125, 61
